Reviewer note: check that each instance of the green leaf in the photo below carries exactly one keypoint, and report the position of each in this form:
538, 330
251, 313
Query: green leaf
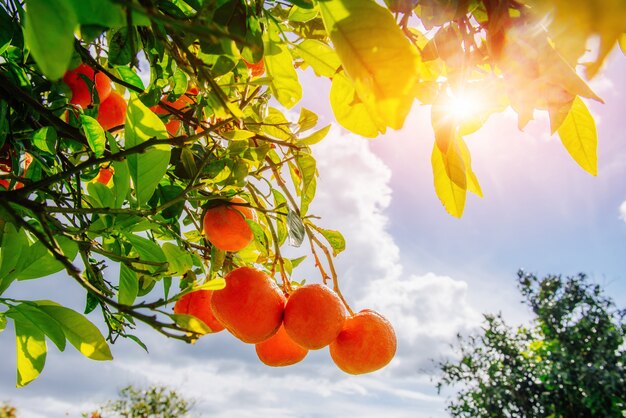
451, 194
260, 237
39, 262
322, 58
148, 251
191, 323
128, 287
179, 261
31, 349
301, 14
81, 333
238, 135
3, 321
95, 134
105, 13
14, 247
25, 312
45, 139
335, 239
295, 228
121, 175
284, 82
130, 77
307, 166
147, 168
378, 58
49, 34
101, 196
579, 136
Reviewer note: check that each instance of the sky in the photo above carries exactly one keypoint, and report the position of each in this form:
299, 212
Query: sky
430, 274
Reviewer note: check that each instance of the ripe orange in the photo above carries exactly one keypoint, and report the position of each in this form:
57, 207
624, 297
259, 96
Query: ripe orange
250, 306
6, 167
198, 304
226, 228
314, 316
179, 104
366, 343
280, 350
104, 175
256, 69
112, 111
81, 95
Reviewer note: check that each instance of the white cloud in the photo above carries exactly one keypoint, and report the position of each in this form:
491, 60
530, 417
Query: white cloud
622, 211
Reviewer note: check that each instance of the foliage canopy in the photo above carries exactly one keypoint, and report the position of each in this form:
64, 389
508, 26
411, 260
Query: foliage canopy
569, 363
201, 127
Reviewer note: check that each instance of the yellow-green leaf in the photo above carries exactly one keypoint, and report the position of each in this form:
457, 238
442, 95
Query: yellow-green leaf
81, 333
350, 111
451, 194
579, 136
215, 284
622, 43
31, 349
472, 181
147, 168
191, 323
95, 135
375, 54
284, 81
322, 58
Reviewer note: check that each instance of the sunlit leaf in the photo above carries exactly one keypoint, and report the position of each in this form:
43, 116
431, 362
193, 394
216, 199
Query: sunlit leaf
579, 136
375, 54
335, 239
148, 250
179, 260
215, 284
350, 112
451, 194
191, 323
25, 312
284, 81
81, 333
39, 262
31, 349
322, 58
49, 34
11, 255
45, 139
147, 168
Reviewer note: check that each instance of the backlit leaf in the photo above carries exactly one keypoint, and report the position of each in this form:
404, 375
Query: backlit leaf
179, 260
579, 136
452, 195
49, 34
147, 168
128, 286
278, 64
350, 112
39, 262
375, 54
31, 349
322, 58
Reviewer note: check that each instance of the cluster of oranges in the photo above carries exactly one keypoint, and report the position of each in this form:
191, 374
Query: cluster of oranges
284, 325
112, 110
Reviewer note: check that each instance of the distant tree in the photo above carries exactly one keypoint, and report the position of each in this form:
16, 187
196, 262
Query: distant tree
569, 363
7, 411
153, 402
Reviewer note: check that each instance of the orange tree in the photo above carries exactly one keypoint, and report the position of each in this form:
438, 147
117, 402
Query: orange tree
123, 122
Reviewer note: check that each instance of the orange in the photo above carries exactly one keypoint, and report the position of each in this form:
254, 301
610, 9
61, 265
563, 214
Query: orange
81, 95
226, 228
6, 167
280, 350
256, 69
314, 316
366, 343
198, 304
250, 306
104, 175
179, 104
112, 111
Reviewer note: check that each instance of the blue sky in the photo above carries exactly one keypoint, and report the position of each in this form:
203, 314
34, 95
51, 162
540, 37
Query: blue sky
430, 274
